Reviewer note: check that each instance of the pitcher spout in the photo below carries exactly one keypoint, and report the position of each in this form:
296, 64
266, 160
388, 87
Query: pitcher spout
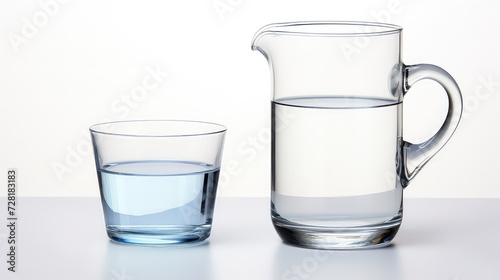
259, 42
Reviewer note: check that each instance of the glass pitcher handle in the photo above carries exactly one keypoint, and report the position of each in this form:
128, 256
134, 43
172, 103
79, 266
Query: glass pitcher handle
415, 156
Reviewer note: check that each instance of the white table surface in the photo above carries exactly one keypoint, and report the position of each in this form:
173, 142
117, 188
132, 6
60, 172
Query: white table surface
64, 238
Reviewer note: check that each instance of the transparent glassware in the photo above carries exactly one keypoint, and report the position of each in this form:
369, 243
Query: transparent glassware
158, 179
339, 161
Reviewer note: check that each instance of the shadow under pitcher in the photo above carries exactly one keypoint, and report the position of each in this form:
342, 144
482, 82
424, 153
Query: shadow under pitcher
339, 161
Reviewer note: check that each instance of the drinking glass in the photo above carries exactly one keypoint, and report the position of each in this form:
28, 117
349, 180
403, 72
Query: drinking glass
158, 179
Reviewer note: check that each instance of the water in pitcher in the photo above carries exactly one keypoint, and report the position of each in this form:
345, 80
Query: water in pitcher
335, 162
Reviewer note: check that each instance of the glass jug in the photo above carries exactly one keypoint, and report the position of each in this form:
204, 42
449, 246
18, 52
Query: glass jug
339, 162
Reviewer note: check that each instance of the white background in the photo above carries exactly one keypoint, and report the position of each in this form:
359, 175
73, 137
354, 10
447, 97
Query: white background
65, 65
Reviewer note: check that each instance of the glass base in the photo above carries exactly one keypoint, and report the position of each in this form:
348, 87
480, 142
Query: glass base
337, 238
159, 235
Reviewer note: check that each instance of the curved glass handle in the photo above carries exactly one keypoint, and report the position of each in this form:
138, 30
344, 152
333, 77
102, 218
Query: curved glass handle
415, 156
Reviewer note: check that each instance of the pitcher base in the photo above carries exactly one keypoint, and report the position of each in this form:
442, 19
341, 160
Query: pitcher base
327, 238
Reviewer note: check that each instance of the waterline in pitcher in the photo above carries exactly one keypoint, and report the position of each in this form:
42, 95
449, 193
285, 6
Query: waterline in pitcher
337, 102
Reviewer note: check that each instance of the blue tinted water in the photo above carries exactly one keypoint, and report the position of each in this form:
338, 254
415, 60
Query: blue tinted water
158, 202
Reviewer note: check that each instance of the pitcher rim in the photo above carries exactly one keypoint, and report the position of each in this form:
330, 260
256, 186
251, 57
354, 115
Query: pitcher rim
292, 28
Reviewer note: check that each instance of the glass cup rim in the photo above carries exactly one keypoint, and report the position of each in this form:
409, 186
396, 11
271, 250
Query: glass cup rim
330, 28
202, 128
